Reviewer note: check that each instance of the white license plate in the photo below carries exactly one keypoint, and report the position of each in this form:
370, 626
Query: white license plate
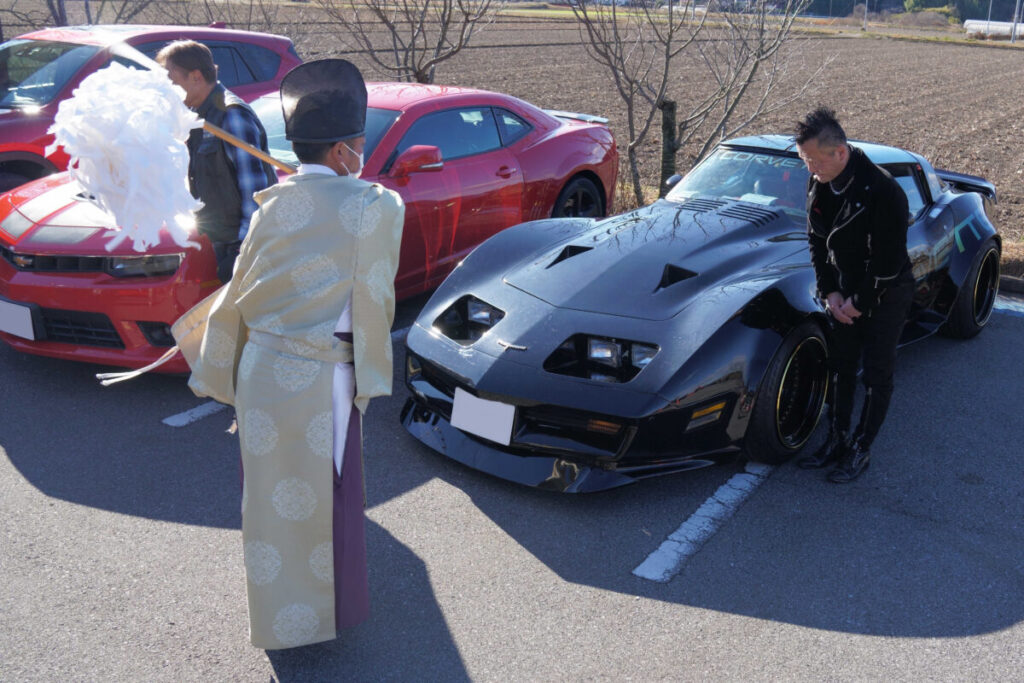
16, 319
491, 420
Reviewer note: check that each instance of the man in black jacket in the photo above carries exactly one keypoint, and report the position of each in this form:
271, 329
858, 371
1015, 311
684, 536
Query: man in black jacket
857, 220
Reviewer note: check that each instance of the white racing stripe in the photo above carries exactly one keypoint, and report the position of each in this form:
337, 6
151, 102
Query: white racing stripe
665, 562
198, 413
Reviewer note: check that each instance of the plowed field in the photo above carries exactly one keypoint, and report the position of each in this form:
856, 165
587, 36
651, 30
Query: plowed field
959, 105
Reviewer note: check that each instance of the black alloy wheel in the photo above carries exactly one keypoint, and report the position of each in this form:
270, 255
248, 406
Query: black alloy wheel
977, 297
986, 287
791, 397
580, 198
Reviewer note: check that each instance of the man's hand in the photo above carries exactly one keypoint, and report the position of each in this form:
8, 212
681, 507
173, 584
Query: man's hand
839, 308
849, 310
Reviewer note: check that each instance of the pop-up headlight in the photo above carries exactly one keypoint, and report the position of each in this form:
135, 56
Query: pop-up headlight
601, 359
605, 351
467, 320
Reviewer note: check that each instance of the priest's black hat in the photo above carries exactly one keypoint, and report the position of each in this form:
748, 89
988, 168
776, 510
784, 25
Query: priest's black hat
323, 101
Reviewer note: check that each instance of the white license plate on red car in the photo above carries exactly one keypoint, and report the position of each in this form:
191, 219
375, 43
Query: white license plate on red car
491, 420
16, 319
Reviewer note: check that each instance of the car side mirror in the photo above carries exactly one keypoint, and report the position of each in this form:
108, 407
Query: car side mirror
417, 159
672, 181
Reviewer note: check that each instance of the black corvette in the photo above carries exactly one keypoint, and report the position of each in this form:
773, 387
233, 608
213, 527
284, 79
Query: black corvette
578, 355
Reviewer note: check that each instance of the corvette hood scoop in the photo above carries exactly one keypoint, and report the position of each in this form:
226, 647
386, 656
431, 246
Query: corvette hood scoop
652, 263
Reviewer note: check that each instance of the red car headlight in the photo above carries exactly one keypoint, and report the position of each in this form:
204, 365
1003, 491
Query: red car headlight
142, 266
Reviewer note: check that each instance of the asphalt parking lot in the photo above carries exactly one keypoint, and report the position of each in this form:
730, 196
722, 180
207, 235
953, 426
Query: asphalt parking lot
121, 553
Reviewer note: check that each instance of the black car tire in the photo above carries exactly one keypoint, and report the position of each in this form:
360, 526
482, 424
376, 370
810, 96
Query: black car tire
9, 181
580, 198
977, 296
791, 397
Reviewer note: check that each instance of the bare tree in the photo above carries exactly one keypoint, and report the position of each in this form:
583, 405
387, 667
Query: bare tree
15, 14
31, 15
409, 38
272, 16
58, 12
735, 58
114, 11
247, 15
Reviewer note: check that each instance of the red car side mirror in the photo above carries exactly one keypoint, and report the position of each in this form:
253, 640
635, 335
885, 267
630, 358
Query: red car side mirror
416, 159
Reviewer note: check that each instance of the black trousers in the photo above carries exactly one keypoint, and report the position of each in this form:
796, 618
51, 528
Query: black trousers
871, 340
226, 253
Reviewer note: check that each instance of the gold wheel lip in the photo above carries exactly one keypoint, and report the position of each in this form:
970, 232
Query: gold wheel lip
787, 443
981, 320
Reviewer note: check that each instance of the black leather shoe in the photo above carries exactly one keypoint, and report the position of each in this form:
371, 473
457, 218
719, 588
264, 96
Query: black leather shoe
829, 452
851, 465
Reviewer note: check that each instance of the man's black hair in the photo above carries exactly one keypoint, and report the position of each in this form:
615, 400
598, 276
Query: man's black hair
821, 125
311, 152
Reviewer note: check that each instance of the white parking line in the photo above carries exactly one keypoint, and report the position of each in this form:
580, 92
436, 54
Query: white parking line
212, 407
1006, 304
198, 413
665, 562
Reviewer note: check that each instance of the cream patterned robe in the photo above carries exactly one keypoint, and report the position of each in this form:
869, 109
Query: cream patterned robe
265, 343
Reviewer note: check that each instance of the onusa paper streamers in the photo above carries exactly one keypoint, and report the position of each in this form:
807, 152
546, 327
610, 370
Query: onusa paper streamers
125, 131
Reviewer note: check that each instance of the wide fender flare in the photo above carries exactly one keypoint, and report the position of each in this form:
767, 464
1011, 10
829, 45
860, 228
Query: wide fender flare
971, 231
735, 358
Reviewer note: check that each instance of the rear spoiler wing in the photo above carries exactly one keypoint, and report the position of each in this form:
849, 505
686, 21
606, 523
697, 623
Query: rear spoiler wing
968, 183
586, 118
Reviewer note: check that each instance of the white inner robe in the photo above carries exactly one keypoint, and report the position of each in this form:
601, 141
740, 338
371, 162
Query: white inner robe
344, 391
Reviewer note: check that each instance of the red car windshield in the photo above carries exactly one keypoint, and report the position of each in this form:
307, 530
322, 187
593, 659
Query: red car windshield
268, 109
33, 72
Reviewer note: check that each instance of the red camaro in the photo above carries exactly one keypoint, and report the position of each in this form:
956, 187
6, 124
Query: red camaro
39, 69
468, 164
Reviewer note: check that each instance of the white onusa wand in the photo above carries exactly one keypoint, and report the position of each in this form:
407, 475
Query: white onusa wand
125, 131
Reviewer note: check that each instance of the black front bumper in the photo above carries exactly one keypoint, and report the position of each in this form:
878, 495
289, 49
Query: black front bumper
539, 471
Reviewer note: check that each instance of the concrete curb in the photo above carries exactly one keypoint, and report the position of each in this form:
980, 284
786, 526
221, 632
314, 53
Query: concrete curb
1008, 283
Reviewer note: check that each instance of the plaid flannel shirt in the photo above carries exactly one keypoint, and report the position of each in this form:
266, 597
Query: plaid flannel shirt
248, 169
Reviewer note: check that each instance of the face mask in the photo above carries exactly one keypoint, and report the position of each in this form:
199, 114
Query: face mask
359, 168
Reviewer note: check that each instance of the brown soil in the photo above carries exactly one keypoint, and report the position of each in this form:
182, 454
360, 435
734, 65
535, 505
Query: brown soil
958, 105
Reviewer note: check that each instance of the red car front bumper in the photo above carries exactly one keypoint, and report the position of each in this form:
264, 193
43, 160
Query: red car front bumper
98, 318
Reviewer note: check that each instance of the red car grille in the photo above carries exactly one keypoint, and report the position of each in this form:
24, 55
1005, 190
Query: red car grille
53, 264
78, 327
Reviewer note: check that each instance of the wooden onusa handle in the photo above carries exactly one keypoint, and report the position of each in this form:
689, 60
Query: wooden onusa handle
242, 144
145, 60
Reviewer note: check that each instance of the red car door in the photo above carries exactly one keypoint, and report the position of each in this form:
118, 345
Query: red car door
476, 192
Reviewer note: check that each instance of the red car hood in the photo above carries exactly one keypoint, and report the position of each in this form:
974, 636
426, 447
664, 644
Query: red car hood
51, 216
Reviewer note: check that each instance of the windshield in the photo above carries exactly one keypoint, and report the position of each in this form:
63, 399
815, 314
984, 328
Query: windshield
33, 72
760, 177
268, 108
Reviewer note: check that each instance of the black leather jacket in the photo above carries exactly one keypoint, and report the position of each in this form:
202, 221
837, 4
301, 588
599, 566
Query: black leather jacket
858, 239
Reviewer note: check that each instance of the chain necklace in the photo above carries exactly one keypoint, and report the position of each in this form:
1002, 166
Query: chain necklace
843, 189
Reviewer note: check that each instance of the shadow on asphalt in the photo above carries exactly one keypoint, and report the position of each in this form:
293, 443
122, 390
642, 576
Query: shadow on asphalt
403, 614
106, 448
929, 543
